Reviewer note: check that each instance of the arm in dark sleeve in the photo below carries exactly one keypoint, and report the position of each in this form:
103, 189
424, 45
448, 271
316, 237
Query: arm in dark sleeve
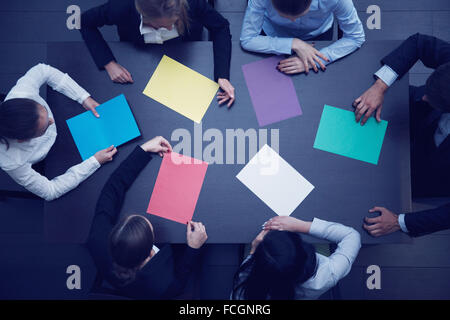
219, 28
91, 21
432, 51
184, 266
109, 205
428, 221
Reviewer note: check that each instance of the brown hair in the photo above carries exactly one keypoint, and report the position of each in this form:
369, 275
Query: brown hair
165, 8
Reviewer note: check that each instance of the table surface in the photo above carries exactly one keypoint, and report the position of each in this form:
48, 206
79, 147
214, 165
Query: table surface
345, 189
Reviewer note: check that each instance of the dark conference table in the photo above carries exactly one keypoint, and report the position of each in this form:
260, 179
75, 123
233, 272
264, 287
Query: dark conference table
345, 189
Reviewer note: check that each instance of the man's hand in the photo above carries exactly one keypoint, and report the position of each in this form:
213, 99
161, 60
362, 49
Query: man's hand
90, 105
308, 55
370, 101
157, 145
196, 234
385, 224
227, 93
105, 155
117, 73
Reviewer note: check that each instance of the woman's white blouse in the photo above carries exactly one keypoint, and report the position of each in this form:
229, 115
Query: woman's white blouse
20, 156
329, 270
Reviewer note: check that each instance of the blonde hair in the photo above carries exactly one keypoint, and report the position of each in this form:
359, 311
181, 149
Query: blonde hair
166, 8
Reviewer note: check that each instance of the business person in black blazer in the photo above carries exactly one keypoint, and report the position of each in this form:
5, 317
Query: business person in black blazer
124, 251
156, 21
429, 109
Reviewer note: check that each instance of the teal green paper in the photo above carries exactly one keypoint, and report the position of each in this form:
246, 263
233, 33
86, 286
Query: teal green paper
339, 133
115, 126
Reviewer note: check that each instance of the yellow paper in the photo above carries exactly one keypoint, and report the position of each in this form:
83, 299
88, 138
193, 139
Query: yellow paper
181, 89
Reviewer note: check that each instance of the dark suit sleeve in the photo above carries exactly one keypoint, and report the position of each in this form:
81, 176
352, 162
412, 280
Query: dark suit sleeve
219, 28
184, 267
428, 221
91, 21
109, 205
432, 51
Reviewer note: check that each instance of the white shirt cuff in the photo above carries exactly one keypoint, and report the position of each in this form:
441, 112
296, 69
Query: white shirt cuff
387, 75
401, 222
93, 162
318, 227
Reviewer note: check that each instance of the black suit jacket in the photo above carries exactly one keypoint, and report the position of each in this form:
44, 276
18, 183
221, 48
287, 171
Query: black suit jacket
167, 272
429, 221
433, 52
123, 14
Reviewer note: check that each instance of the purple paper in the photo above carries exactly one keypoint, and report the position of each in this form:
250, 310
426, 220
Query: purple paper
272, 92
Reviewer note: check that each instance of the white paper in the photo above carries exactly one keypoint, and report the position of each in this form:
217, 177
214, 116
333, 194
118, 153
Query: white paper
275, 181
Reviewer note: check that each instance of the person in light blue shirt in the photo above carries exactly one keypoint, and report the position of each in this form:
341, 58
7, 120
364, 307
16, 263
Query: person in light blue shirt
283, 26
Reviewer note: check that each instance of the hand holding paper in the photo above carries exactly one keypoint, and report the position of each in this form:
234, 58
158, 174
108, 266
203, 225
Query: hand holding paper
115, 127
105, 155
339, 133
90, 105
157, 145
177, 187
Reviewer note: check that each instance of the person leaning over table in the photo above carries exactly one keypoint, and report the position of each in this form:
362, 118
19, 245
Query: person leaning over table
281, 266
124, 251
429, 109
284, 26
28, 131
157, 21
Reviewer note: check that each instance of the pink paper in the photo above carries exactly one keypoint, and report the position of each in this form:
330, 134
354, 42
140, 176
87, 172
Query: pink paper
177, 187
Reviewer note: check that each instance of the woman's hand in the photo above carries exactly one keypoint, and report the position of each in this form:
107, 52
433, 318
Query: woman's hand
227, 94
196, 234
117, 73
90, 105
283, 223
308, 55
259, 238
291, 65
105, 155
157, 145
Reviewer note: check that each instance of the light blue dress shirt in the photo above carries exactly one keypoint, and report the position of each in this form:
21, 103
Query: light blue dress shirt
261, 15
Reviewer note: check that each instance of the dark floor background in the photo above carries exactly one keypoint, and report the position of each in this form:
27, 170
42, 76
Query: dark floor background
32, 268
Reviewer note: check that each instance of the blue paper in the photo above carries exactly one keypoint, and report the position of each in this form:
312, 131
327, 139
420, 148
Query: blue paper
115, 126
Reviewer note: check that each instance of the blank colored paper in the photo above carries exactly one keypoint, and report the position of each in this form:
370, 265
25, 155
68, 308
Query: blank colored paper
339, 133
177, 187
275, 181
181, 89
272, 92
115, 126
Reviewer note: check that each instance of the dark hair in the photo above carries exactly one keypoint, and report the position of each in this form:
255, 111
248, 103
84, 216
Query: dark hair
437, 88
291, 7
165, 8
18, 119
280, 263
131, 242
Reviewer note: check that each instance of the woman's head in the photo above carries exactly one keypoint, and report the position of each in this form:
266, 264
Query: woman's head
23, 119
437, 89
164, 13
131, 243
292, 9
280, 262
